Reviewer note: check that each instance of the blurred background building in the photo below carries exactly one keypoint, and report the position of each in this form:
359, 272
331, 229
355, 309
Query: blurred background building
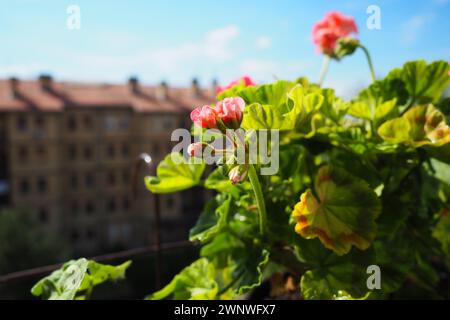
67, 152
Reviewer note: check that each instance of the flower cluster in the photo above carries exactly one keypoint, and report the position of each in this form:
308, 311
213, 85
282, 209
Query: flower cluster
333, 27
227, 114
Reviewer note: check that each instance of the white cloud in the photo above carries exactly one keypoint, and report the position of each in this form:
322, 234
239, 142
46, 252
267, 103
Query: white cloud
264, 42
216, 43
176, 63
21, 70
412, 29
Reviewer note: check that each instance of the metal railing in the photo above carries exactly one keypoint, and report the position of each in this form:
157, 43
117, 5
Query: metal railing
41, 271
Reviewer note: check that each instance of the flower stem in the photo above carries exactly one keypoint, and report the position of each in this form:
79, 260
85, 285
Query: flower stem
254, 180
325, 66
369, 61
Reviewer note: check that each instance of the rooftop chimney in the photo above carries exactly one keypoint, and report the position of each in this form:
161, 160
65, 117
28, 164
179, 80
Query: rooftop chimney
46, 82
133, 84
14, 82
214, 86
195, 87
162, 92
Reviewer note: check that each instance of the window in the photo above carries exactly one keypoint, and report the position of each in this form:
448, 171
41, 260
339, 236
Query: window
43, 214
88, 152
90, 234
74, 235
72, 123
156, 150
111, 205
87, 121
89, 180
89, 208
23, 153
40, 122
74, 208
126, 176
126, 203
111, 151
111, 180
114, 123
74, 181
125, 150
41, 151
167, 124
22, 124
24, 186
42, 185
72, 152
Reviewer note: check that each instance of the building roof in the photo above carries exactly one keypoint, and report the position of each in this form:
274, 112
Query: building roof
47, 95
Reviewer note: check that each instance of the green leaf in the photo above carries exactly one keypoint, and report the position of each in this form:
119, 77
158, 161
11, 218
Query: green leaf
419, 126
260, 117
304, 113
246, 261
343, 215
195, 282
250, 267
75, 277
395, 257
442, 233
425, 83
100, 273
213, 219
332, 276
175, 174
333, 107
442, 170
268, 94
372, 112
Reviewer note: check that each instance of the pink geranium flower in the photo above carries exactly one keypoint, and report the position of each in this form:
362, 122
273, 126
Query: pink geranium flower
230, 111
245, 80
331, 28
204, 117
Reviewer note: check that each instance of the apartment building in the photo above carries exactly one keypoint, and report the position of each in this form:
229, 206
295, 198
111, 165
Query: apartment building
67, 153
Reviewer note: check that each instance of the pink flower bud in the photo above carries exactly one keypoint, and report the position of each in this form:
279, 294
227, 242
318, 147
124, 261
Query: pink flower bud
204, 117
246, 81
238, 174
196, 149
230, 111
330, 29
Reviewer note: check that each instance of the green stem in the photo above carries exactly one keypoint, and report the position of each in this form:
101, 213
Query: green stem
325, 66
369, 61
254, 180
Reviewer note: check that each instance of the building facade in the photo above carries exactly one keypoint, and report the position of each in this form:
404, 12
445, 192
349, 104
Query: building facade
68, 151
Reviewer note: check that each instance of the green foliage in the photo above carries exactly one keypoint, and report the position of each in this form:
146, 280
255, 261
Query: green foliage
76, 279
372, 173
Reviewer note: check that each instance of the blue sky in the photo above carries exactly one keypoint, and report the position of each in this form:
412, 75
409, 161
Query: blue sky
177, 40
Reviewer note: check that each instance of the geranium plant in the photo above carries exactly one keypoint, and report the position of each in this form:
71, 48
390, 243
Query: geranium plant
362, 183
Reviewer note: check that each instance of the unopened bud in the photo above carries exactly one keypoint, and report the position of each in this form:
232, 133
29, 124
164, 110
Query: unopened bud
196, 149
238, 174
